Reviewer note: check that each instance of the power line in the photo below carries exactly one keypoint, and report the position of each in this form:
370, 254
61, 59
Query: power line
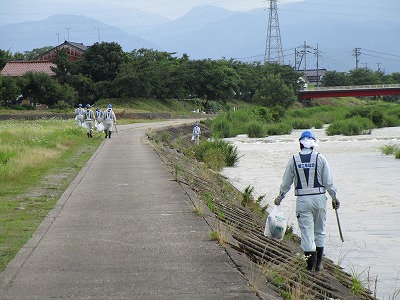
381, 52
370, 55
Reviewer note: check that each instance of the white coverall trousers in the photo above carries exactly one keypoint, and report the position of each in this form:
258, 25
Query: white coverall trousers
311, 217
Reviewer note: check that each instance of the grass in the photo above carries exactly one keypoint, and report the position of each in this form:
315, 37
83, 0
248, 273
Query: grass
389, 150
30, 151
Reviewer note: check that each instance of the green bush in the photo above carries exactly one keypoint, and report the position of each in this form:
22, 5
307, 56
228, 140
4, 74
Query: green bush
221, 128
279, 129
373, 112
256, 130
217, 154
214, 158
264, 113
302, 123
389, 149
354, 126
397, 154
391, 121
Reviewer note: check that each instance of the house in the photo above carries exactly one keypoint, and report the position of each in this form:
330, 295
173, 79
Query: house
43, 62
17, 68
74, 51
314, 76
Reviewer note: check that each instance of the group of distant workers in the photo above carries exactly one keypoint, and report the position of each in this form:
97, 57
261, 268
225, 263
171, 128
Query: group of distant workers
102, 120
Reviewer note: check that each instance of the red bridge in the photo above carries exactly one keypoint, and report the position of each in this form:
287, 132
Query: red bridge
350, 91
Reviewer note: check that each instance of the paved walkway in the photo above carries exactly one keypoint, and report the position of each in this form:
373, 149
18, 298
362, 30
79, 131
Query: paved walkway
123, 230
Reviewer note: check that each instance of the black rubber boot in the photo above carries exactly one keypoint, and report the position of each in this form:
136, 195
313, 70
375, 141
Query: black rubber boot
105, 131
311, 257
109, 134
88, 135
320, 253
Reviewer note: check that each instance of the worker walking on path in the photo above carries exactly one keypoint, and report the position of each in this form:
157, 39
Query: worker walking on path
79, 115
109, 121
312, 178
196, 133
99, 120
89, 120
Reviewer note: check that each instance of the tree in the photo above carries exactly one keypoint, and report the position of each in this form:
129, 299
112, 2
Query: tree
41, 88
84, 87
214, 80
250, 79
63, 69
274, 91
9, 90
30, 55
102, 61
362, 77
5, 56
333, 78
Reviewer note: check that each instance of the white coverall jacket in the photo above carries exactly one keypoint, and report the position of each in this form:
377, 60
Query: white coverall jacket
310, 209
109, 119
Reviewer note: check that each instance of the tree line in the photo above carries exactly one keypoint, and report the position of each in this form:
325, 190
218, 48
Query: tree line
106, 71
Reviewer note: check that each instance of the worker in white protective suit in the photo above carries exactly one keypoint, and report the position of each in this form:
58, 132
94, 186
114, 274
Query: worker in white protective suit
109, 120
196, 133
88, 118
312, 178
79, 115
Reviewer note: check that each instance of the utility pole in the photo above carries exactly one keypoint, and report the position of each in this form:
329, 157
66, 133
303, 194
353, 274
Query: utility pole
379, 66
58, 38
68, 28
305, 46
273, 49
317, 55
357, 53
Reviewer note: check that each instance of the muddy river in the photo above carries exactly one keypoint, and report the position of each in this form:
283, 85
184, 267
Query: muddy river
368, 184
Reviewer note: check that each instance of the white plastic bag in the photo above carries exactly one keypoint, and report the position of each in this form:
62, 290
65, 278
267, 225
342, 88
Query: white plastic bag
276, 223
84, 125
100, 127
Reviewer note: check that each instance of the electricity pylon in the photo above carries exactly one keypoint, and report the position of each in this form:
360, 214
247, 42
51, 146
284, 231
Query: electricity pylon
273, 49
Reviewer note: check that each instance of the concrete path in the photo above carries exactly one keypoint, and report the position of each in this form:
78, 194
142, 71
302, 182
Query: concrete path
123, 230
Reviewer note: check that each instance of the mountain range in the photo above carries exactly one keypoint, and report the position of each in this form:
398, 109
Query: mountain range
214, 32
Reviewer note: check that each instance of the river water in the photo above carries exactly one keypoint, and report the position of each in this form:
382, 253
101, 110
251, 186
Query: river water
368, 184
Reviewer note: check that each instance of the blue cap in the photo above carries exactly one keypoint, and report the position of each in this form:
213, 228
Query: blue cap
80, 105
307, 134
87, 105
109, 106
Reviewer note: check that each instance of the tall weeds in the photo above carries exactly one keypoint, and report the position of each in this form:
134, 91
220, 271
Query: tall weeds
217, 154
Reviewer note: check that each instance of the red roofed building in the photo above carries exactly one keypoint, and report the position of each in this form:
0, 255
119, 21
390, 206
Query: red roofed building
21, 67
74, 51
43, 63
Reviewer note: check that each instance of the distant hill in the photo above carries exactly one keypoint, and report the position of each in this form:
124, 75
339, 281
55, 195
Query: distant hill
213, 32
36, 34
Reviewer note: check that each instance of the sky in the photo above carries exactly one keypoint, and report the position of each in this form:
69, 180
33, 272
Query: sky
15, 11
